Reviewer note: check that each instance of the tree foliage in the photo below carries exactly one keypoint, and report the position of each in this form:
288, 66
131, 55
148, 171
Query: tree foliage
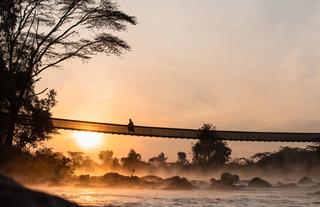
77, 159
81, 161
36, 35
41, 165
50, 164
106, 157
288, 160
132, 161
108, 160
209, 152
158, 161
182, 161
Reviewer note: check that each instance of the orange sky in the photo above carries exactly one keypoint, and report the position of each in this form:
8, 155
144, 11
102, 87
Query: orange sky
242, 65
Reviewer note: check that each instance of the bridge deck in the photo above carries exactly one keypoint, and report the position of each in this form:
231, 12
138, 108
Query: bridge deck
183, 133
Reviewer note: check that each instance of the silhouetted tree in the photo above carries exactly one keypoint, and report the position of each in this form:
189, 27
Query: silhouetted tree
39, 126
288, 160
50, 164
115, 163
158, 161
132, 161
81, 161
182, 161
36, 109
108, 160
42, 164
76, 158
89, 164
36, 35
209, 152
106, 157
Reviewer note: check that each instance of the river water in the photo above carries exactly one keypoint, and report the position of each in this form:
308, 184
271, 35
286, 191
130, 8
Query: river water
92, 197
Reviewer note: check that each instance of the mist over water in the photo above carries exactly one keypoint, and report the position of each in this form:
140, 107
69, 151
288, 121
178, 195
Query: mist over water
95, 197
202, 195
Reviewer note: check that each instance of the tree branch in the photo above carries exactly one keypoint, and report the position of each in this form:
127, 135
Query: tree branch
63, 58
62, 36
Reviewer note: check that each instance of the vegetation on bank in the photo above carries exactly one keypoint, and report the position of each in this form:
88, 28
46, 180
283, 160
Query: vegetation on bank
208, 156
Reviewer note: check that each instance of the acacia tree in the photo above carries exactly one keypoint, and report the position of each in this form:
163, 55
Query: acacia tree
36, 35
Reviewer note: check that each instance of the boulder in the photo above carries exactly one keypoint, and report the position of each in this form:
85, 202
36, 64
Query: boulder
117, 180
227, 182
7, 181
259, 183
230, 177
14, 194
305, 181
152, 178
177, 183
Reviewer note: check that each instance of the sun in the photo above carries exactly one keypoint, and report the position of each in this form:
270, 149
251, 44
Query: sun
87, 139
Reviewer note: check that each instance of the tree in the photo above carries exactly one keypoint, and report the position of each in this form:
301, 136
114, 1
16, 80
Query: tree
158, 161
36, 35
132, 161
36, 109
76, 158
182, 161
39, 165
288, 160
115, 163
106, 157
40, 126
49, 164
209, 152
80, 161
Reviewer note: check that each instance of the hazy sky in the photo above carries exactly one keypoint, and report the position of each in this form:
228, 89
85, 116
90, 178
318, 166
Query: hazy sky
242, 65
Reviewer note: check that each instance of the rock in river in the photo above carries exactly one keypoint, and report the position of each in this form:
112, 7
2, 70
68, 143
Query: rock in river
13, 194
259, 183
177, 183
305, 181
116, 180
152, 178
227, 182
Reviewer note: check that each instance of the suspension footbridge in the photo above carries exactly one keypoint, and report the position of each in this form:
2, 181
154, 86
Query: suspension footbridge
179, 133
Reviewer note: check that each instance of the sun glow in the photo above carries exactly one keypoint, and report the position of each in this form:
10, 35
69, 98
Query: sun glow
87, 139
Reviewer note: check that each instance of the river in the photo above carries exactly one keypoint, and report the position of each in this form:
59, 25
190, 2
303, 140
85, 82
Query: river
102, 197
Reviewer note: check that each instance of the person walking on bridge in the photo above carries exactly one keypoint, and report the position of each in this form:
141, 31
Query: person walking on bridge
130, 126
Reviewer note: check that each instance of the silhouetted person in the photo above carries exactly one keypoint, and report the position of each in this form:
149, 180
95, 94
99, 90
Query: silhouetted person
132, 172
130, 126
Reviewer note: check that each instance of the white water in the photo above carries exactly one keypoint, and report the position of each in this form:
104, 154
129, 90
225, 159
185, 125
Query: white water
127, 197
